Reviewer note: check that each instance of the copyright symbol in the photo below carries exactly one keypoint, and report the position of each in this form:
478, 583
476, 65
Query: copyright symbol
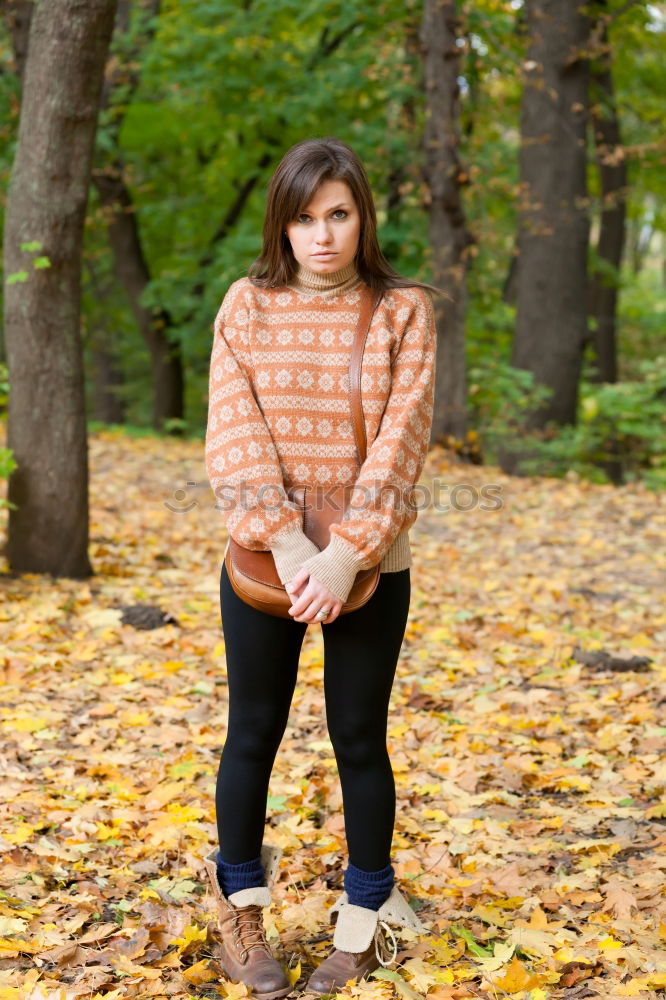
181, 507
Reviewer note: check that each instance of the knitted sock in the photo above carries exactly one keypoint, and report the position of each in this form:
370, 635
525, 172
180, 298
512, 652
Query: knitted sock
246, 875
369, 889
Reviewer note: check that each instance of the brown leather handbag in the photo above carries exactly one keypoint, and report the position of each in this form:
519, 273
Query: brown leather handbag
252, 574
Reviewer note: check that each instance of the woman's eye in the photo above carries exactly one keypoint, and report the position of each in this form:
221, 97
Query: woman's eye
305, 217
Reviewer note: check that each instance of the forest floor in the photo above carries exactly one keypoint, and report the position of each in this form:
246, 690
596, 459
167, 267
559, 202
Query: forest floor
526, 734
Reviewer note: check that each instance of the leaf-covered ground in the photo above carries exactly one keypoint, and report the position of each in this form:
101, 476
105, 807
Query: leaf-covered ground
526, 733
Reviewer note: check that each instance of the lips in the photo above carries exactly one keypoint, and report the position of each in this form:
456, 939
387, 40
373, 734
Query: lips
323, 254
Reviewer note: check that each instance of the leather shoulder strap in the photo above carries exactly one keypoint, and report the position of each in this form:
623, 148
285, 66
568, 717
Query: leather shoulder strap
369, 301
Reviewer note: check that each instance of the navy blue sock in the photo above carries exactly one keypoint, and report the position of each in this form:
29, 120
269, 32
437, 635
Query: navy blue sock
246, 875
369, 889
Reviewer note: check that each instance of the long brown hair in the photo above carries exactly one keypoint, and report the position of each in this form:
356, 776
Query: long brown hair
300, 172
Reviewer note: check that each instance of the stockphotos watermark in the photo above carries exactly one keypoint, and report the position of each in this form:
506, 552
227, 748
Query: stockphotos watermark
435, 495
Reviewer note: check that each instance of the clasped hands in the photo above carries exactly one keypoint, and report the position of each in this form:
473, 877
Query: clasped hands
308, 596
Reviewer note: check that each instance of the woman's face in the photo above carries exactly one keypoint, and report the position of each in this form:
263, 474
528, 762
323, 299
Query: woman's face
325, 235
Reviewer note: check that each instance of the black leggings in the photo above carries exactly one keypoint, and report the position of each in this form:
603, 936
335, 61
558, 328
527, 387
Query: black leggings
360, 655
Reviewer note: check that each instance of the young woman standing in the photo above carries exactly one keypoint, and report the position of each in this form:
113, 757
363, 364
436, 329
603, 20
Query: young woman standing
279, 415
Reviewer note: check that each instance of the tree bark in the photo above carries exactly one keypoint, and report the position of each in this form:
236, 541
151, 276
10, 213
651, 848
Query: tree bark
46, 203
133, 274
610, 246
551, 323
131, 266
449, 237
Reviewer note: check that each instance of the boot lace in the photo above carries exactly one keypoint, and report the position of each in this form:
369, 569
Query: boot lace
249, 930
381, 946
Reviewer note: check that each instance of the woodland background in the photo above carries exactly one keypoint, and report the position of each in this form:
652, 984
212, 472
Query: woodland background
516, 152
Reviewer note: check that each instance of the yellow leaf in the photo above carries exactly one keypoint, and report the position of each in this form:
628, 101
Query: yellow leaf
501, 955
437, 634
192, 935
609, 943
164, 793
135, 719
234, 990
422, 974
293, 975
633, 988
516, 977
199, 973
105, 832
172, 666
581, 784
125, 964
10, 948
21, 834
12, 925
149, 894
121, 677
28, 724
183, 814
398, 730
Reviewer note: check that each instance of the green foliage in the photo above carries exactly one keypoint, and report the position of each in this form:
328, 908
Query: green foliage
7, 465
226, 88
7, 460
38, 263
4, 387
140, 431
641, 319
500, 396
623, 422
620, 423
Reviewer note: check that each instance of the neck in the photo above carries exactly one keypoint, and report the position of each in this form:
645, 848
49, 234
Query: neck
332, 282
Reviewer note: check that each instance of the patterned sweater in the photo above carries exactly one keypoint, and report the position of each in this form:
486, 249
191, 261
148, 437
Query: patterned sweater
279, 415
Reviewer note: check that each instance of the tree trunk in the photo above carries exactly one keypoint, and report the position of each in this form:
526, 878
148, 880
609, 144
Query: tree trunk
108, 404
613, 176
18, 14
551, 324
449, 237
131, 266
46, 204
133, 273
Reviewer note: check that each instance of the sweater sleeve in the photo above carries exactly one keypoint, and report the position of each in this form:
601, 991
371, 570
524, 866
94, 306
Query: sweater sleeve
241, 460
379, 504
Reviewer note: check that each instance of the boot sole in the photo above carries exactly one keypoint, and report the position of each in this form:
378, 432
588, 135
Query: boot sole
273, 995
331, 990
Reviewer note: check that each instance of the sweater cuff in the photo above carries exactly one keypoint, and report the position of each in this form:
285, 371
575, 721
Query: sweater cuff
289, 550
336, 566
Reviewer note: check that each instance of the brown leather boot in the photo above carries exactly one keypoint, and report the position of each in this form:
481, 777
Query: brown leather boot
359, 945
243, 951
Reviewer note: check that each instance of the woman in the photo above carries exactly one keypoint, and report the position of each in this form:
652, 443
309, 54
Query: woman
279, 415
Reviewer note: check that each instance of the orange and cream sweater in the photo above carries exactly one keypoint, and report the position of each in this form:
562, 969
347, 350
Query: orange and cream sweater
279, 415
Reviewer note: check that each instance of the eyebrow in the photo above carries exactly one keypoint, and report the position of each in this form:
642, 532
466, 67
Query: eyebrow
342, 204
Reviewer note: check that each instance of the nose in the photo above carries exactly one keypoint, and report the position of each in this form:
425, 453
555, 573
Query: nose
322, 234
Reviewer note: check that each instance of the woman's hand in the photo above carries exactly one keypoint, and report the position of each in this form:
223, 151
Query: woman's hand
308, 595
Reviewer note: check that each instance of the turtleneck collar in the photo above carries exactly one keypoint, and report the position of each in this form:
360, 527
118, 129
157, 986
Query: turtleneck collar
331, 283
